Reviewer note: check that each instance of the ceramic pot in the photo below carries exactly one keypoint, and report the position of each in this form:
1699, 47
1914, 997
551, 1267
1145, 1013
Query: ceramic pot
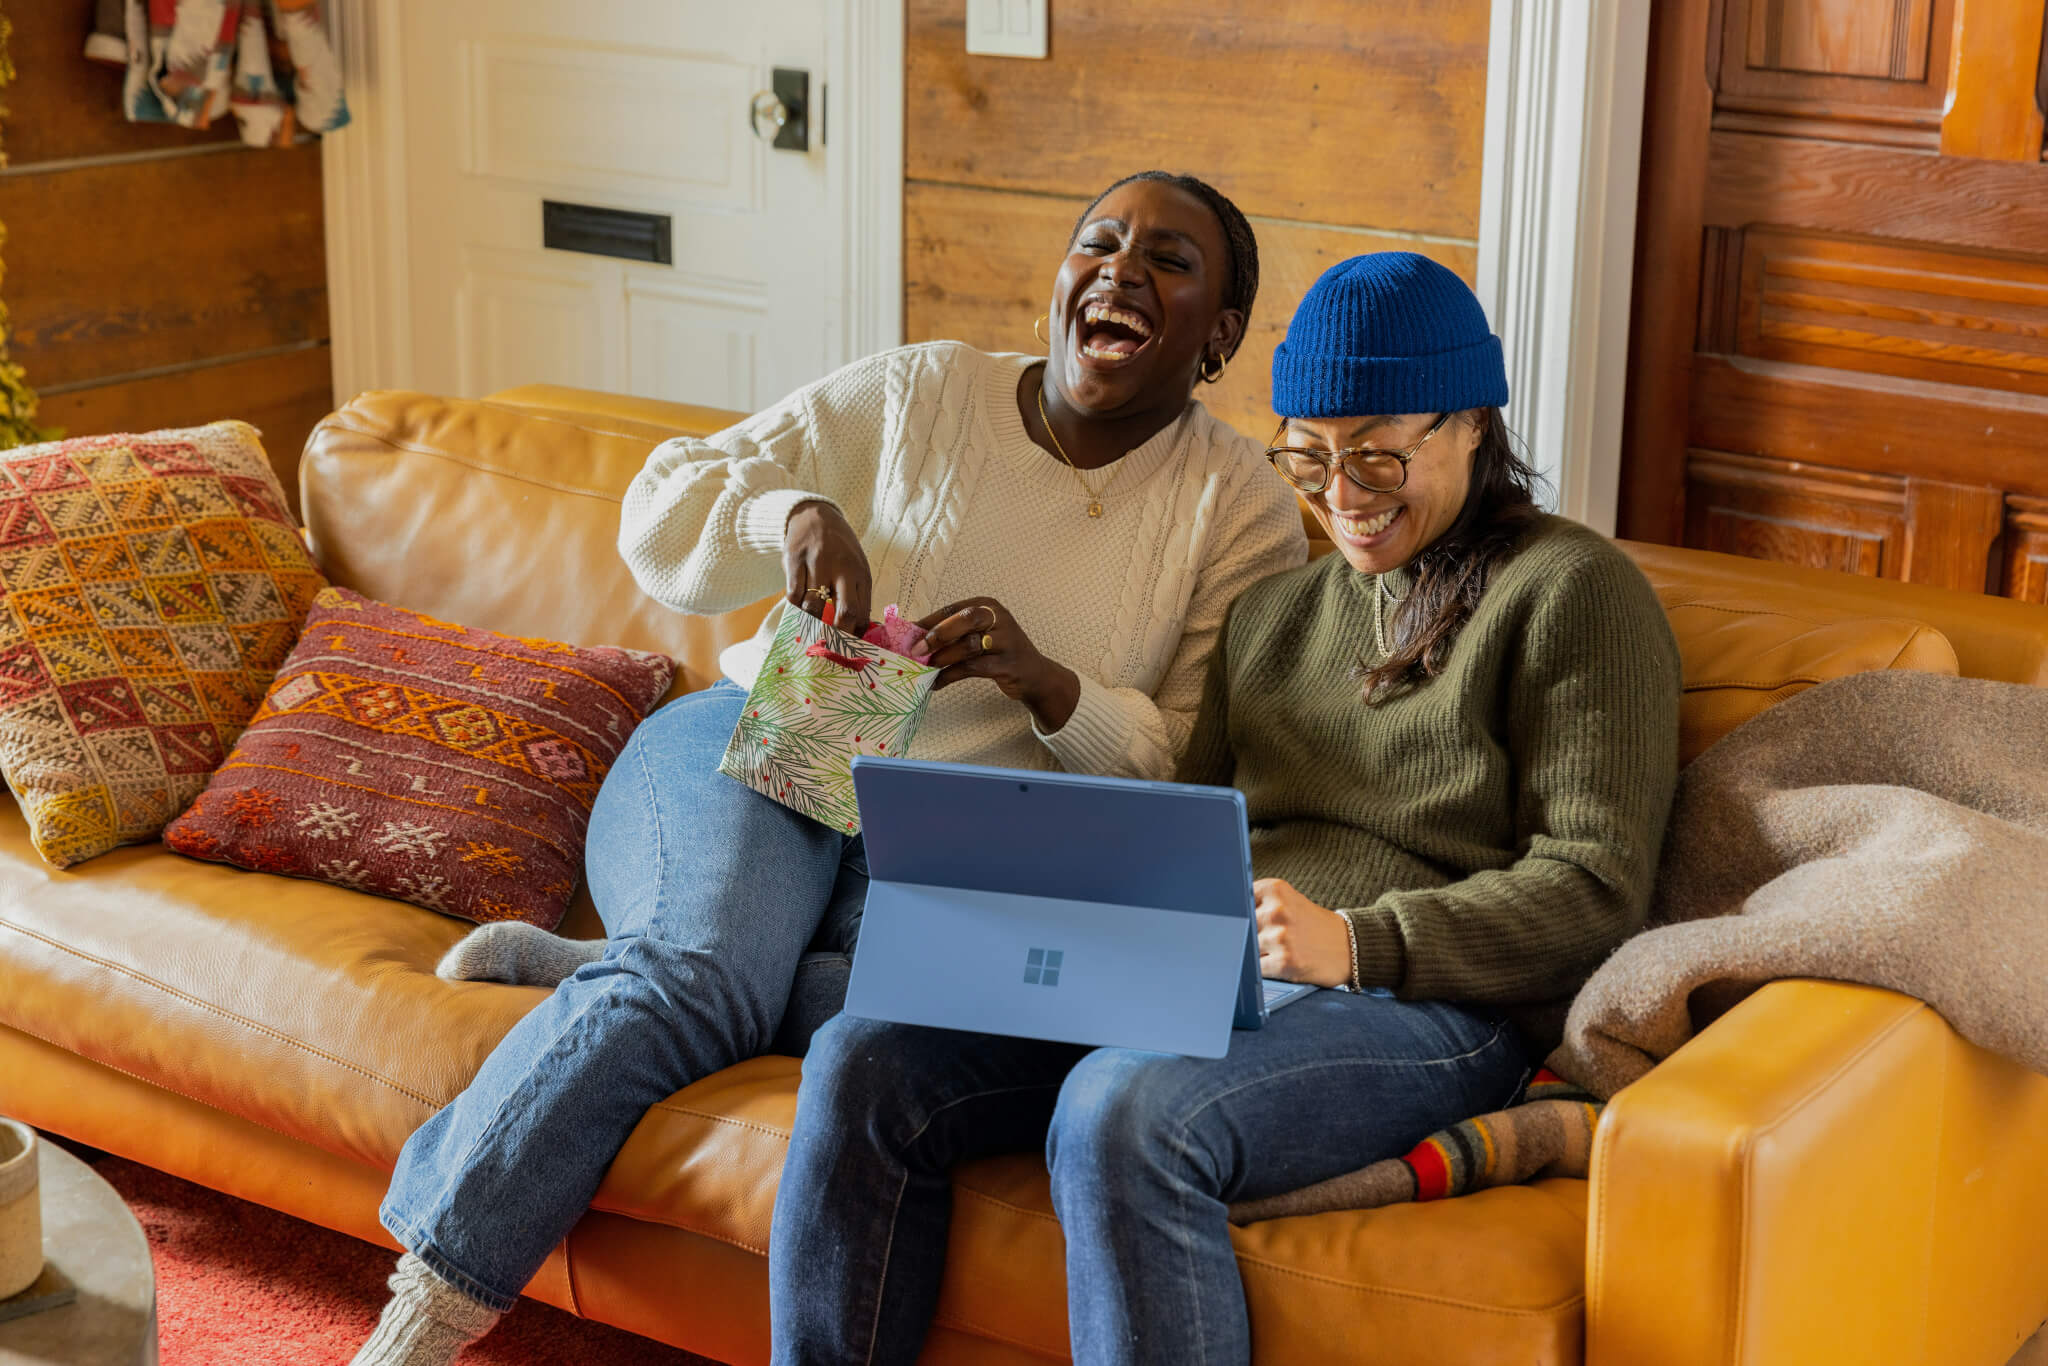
21, 1210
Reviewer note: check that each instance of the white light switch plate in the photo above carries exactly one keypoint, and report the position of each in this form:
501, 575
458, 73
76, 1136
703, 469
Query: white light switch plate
1007, 28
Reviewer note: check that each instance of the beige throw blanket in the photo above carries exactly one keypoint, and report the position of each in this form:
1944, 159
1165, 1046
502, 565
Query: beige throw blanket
1889, 828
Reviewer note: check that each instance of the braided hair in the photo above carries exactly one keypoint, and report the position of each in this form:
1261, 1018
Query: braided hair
1241, 284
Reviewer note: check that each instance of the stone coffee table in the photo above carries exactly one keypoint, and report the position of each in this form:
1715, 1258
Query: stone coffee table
90, 1236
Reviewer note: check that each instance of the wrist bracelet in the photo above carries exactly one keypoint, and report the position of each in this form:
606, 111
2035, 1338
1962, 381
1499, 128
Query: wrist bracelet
1351, 933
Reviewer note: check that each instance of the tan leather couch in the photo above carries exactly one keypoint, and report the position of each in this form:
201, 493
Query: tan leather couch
1826, 1175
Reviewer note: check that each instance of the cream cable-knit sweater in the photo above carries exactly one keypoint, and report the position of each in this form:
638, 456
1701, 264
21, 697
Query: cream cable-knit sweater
925, 453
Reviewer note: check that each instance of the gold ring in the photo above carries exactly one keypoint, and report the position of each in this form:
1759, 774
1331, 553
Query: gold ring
824, 593
987, 643
992, 618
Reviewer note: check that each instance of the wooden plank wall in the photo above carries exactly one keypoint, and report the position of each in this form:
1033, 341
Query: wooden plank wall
1338, 126
156, 276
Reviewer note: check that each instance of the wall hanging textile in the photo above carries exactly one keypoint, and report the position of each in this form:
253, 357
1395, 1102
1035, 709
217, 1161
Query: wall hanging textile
191, 61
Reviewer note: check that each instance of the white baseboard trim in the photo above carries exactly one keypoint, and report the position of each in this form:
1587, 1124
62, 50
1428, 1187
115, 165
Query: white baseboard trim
1564, 122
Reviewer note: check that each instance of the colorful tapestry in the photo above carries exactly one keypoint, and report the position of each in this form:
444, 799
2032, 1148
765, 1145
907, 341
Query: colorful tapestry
424, 761
821, 698
149, 585
192, 61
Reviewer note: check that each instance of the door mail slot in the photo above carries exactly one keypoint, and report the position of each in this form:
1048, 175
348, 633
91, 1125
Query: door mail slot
606, 232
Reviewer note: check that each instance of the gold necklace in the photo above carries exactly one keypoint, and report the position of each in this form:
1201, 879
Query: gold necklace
1094, 494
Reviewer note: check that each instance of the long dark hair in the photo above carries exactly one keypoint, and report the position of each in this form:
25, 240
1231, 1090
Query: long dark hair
1241, 284
1452, 574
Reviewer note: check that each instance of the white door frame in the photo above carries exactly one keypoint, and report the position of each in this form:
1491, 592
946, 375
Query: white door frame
1557, 219
363, 172
867, 58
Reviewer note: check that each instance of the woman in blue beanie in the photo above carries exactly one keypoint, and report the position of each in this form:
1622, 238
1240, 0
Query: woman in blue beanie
1457, 741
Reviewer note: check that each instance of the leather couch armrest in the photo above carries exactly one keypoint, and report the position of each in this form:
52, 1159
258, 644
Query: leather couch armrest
1827, 1174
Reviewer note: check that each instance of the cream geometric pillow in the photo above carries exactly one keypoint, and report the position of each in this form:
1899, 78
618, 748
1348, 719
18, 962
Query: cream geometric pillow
149, 588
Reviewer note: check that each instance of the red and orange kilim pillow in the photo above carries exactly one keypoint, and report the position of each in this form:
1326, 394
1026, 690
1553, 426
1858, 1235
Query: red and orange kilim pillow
430, 762
149, 585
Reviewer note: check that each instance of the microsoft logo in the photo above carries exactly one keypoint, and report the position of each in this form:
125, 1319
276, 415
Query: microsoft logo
1042, 967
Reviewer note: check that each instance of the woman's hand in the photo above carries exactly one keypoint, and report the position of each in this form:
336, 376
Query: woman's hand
824, 563
979, 638
1300, 941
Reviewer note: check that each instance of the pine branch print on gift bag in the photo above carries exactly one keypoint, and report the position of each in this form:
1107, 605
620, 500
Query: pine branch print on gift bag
821, 698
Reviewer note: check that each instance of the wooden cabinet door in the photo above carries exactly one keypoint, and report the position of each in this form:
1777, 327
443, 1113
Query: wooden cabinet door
1839, 350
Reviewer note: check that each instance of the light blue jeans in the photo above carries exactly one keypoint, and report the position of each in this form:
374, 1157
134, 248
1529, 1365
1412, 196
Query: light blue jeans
720, 904
1147, 1152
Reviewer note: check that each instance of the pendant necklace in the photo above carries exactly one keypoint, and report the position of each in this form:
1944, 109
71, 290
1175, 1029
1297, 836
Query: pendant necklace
1094, 494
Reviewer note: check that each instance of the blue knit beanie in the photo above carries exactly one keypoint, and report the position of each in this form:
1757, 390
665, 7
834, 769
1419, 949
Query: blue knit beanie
1392, 332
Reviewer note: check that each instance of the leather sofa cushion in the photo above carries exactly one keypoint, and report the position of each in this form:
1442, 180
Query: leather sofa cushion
1992, 637
313, 1011
497, 518
1742, 657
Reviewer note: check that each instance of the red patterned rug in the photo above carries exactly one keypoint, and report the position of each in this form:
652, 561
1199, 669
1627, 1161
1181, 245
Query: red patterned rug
241, 1285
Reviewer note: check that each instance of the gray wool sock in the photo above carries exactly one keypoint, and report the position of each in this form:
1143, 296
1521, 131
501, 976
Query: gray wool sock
427, 1323
514, 951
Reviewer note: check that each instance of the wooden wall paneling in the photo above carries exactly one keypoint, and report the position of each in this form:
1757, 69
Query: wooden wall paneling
1922, 312
1866, 382
1838, 37
2026, 550
980, 264
66, 106
2041, 84
1678, 111
1873, 191
1323, 111
126, 267
1875, 423
1952, 531
1796, 514
282, 394
1855, 70
1993, 81
1721, 291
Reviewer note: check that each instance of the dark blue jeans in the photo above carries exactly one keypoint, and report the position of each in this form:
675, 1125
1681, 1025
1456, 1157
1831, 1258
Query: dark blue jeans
730, 921
1147, 1151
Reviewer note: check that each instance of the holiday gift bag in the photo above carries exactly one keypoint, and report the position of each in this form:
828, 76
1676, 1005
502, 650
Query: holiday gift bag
822, 697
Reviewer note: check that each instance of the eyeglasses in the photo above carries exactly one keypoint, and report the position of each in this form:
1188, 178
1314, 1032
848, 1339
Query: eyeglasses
1372, 469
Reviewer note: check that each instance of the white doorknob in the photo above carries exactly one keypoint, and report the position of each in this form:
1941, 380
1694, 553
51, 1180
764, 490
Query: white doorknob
767, 107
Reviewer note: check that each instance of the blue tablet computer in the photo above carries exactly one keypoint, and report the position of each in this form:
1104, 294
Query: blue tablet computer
1058, 906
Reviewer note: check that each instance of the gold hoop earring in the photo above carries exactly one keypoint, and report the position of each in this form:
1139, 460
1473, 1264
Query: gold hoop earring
1043, 340
1222, 364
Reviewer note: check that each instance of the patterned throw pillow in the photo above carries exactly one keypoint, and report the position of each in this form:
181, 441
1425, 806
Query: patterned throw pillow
149, 585
416, 759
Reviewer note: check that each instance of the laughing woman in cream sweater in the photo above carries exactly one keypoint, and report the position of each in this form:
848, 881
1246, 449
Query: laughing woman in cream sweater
1073, 530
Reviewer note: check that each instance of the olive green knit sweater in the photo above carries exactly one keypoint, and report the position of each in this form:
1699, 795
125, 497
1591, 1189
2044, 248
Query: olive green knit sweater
1492, 832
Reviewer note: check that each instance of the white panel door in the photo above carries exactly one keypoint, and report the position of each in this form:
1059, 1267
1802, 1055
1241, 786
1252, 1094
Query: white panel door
638, 105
